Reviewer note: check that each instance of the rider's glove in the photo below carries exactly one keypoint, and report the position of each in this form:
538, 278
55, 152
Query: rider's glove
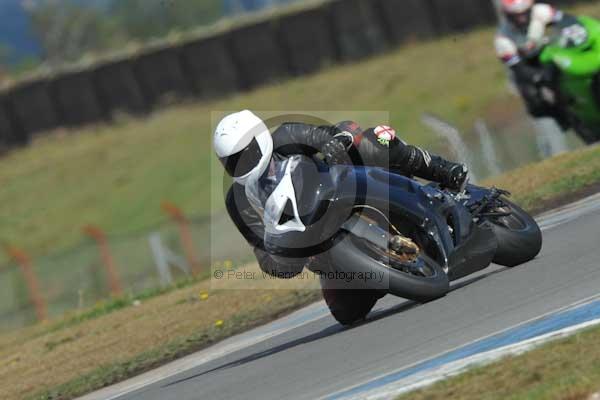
336, 150
457, 178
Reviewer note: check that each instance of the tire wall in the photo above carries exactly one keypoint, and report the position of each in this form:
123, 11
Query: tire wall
210, 67
33, 106
76, 99
11, 135
118, 88
308, 41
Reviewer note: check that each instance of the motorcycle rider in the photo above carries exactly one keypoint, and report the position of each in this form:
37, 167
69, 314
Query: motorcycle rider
520, 37
249, 153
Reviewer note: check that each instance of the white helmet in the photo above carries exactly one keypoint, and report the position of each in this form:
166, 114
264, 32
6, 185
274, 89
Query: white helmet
244, 145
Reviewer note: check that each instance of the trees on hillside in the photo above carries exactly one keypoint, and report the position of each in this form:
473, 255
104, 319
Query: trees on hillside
143, 19
68, 29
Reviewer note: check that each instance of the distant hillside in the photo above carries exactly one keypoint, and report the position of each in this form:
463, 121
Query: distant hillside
121, 20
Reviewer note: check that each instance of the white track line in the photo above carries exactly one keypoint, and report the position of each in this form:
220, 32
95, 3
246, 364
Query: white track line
427, 378
579, 303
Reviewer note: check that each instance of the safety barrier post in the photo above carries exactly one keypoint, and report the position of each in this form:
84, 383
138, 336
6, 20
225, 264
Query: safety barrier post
176, 214
31, 280
107, 259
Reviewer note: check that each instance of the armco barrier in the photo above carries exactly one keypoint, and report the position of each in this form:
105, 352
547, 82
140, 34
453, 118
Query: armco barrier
359, 28
161, 75
33, 107
308, 39
258, 53
407, 20
210, 66
76, 99
118, 88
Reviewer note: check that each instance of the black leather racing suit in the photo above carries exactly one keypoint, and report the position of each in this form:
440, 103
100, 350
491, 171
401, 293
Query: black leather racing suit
373, 147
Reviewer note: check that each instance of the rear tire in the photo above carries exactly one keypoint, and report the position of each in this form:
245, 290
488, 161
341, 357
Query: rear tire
519, 237
348, 257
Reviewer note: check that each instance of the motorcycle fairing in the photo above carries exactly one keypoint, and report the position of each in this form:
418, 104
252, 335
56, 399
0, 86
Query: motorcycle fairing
579, 66
318, 209
463, 249
469, 248
582, 60
474, 254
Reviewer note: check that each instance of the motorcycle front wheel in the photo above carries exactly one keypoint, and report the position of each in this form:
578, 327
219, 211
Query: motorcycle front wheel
518, 234
589, 135
348, 305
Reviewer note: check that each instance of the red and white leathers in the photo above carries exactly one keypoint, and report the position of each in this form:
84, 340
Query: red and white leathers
512, 42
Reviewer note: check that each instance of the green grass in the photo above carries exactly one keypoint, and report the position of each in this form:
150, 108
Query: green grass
111, 373
568, 369
105, 307
537, 186
71, 356
117, 176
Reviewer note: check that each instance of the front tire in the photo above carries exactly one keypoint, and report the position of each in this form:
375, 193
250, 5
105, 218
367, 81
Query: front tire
349, 306
589, 135
519, 236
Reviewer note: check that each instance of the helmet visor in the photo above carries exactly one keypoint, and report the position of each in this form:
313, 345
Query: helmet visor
242, 162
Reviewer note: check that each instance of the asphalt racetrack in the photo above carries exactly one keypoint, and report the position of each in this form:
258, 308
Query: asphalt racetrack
309, 356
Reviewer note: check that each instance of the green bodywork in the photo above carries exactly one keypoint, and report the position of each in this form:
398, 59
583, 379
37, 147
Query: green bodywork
579, 64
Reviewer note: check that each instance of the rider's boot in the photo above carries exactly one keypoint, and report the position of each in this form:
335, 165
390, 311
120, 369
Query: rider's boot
449, 174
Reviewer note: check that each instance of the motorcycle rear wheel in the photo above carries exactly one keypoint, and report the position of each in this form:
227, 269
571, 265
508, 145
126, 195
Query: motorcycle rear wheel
354, 255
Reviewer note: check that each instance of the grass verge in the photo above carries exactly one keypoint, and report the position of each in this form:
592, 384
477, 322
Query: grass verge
553, 182
67, 358
81, 353
568, 369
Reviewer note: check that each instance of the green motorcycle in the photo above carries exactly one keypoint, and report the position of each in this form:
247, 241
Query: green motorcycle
574, 51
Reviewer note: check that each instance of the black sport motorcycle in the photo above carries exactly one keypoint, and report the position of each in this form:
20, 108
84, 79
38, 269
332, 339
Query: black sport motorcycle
370, 232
